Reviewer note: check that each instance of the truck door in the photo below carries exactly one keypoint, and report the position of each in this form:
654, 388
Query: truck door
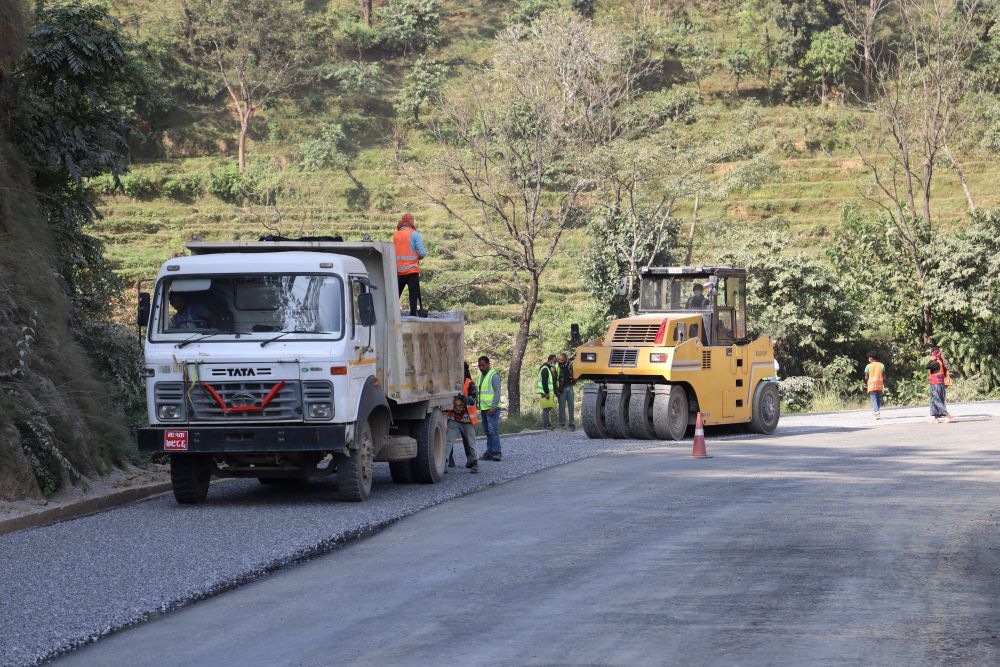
362, 347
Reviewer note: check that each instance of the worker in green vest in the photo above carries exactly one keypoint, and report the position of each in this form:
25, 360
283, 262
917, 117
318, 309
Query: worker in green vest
488, 390
548, 381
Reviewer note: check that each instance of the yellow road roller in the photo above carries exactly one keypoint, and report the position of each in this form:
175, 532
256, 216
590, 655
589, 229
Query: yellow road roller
686, 351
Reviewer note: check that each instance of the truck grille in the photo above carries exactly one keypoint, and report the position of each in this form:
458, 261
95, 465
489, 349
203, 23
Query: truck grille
625, 358
286, 404
635, 333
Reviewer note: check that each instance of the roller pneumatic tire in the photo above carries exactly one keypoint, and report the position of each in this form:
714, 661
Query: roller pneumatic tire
356, 471
616, 411
640, 412
670, 412
593, 411
428, 466
190, 476
766, 409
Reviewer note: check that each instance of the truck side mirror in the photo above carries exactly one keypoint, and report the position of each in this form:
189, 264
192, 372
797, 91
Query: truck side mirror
574, 335
142, 312
366, 309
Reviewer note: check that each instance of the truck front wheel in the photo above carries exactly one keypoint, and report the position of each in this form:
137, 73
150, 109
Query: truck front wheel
190, 476
355, 472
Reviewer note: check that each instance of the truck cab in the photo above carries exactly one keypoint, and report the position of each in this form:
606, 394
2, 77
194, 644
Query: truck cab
289, 360
686, 351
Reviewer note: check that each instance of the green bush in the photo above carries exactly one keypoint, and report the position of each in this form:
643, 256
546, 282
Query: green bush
410, 25
358, 36
138, 185
103, 184
183, 188
797, 392
227, 184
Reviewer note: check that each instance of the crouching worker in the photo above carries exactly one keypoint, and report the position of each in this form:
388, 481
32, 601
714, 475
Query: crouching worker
462, 423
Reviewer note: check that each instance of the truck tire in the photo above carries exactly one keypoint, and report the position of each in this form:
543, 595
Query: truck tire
428, 467
356, 471
616, 411
766, 408
670, 412
190, 476
593, 411
640, 412
401, 471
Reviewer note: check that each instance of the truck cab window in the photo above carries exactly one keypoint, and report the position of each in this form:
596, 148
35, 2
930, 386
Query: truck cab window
358, 288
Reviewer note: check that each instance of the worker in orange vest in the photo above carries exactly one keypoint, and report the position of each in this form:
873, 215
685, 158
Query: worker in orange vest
462, 420
875, 383
409, 251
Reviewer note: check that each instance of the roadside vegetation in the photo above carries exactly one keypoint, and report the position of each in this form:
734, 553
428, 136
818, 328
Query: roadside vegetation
845, 151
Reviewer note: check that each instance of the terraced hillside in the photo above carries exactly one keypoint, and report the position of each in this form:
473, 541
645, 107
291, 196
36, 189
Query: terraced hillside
819, 174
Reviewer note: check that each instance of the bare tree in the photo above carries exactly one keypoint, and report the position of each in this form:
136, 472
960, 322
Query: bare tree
861, 17
916, 115
511, 139
642, 183
256, 46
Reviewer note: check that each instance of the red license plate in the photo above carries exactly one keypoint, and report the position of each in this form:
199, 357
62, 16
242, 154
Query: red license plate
175, 441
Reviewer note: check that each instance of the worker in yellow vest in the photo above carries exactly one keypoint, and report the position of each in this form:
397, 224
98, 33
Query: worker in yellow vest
409, 251
548, 381
875, 383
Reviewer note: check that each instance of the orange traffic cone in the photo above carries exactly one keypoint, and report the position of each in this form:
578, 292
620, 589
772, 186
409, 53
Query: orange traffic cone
698, 450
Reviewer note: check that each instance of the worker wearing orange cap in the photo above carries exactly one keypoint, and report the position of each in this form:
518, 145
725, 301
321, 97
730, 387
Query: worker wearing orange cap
409, 251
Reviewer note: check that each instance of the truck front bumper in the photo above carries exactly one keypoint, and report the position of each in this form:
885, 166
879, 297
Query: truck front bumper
243, 439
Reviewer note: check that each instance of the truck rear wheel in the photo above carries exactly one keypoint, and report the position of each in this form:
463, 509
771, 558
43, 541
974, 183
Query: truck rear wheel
766, 408
428, 467
670, 412
593, 411
616, 410
190, 476
356, 472
401, 471
640, 412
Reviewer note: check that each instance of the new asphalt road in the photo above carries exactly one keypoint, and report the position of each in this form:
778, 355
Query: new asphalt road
837, 541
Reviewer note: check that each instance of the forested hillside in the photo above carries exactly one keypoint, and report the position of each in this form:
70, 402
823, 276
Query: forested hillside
844, 150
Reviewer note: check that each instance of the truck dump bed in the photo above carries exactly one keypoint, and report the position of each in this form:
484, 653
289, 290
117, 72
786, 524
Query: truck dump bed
420, 359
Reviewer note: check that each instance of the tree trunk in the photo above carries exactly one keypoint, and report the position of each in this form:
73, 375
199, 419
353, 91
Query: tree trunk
366, 12
189, 30
867, 68
694, 219
520, 347
242, 141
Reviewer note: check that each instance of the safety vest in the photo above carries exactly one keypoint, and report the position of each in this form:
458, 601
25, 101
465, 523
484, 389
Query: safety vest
941, 376
540, 387
485, 388
407, 261
471, 409
876, 376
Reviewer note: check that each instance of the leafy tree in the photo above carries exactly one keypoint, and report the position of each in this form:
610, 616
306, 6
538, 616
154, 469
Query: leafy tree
410, 25
697, 55
793, 297
77, 87
423, 81
799, 21
739, 64
828, 58
359, 78
963, 288
257, 47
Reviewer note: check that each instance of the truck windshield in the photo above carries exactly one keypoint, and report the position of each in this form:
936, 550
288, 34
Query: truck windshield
254, 306
666, 293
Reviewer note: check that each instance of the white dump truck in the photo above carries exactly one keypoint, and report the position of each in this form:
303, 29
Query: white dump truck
288, 360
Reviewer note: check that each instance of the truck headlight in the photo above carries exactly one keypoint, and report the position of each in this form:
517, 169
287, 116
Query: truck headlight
321, 411
168, 412
657, 357
588, 357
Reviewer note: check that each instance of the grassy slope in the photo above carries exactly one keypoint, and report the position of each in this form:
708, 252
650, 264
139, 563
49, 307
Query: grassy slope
812, 189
